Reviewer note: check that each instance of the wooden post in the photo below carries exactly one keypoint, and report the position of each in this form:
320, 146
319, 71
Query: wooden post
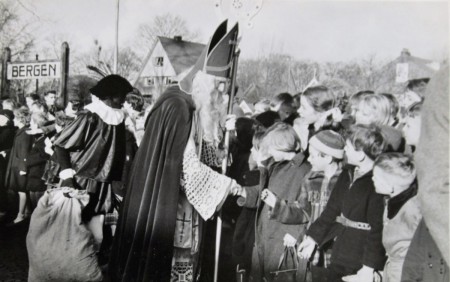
64, 72
5, 82
37, 79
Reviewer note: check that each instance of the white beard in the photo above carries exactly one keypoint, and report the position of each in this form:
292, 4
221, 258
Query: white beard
209, 104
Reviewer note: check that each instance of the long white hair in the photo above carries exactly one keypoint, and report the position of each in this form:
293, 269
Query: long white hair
210, 104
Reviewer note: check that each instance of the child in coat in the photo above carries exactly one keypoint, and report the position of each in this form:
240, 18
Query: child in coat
282, 216
36, 161
354, 213
326, 151
394, 175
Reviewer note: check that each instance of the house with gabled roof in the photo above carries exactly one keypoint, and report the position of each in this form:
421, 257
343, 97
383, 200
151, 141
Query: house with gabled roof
169, 58
407, 67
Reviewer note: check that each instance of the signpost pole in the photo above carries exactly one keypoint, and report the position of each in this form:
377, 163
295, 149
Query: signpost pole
5, 82
64, 72
37, 80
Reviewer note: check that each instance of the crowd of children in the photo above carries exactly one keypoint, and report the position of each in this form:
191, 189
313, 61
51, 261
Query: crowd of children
334, 181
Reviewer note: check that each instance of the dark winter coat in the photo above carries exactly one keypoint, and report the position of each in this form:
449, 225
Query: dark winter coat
290, 214
17, 161
35, 163
7, 134
357, 201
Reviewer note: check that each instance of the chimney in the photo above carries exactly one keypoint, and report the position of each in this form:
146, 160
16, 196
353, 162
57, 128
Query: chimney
177, 38
405, 52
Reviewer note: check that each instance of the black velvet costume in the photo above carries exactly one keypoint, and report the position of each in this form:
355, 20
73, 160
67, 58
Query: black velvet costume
96, 151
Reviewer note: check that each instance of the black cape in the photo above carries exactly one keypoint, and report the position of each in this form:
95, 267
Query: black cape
143, 243
93, 148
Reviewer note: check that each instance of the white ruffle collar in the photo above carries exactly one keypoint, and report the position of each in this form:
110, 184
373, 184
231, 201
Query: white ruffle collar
109, 115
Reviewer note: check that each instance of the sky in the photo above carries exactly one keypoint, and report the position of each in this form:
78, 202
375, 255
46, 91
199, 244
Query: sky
309, 30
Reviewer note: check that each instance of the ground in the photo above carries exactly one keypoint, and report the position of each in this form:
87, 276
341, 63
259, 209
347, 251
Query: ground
13, 252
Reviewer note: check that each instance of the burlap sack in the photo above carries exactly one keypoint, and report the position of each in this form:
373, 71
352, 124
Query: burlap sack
60, 247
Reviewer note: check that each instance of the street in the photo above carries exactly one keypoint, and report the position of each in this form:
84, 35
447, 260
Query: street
13, 252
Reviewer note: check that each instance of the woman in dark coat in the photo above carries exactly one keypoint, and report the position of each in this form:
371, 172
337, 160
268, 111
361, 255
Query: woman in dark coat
36, 160
16, 178
7, 133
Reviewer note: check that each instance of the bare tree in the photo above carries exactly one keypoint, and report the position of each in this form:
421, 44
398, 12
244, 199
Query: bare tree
167, 25
15, 32
102, 58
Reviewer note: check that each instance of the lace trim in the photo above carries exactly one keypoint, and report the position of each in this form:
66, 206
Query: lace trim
204, 188
107, 114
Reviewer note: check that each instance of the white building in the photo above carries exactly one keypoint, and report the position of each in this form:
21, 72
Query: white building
168, 59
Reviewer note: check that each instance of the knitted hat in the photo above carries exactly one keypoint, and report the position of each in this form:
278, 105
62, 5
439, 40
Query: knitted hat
111, 86
7, 113
329, 142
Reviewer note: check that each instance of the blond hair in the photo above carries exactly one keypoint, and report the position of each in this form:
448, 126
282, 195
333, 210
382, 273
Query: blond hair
39, 118
377, 106
282, 137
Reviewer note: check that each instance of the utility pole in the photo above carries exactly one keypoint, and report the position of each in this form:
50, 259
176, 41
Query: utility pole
116, 49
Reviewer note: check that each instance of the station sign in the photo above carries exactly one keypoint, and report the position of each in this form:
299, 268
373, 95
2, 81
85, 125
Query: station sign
34, 70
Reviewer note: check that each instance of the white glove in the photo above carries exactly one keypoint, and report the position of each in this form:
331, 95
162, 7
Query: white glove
289, 240
306, 248
365, 274
48, 146
230, 123
49, 151
237, 190
3, 120
269, 198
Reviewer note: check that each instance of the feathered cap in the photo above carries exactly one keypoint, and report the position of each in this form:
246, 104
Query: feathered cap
216, 58
111, 86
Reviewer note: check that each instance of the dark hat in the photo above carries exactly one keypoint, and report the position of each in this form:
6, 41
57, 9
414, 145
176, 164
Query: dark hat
216, 58
268, 118
7, 113
111, 86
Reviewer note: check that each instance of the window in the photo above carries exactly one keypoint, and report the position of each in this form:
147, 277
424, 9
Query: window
169, 81
150, 81
158, 61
